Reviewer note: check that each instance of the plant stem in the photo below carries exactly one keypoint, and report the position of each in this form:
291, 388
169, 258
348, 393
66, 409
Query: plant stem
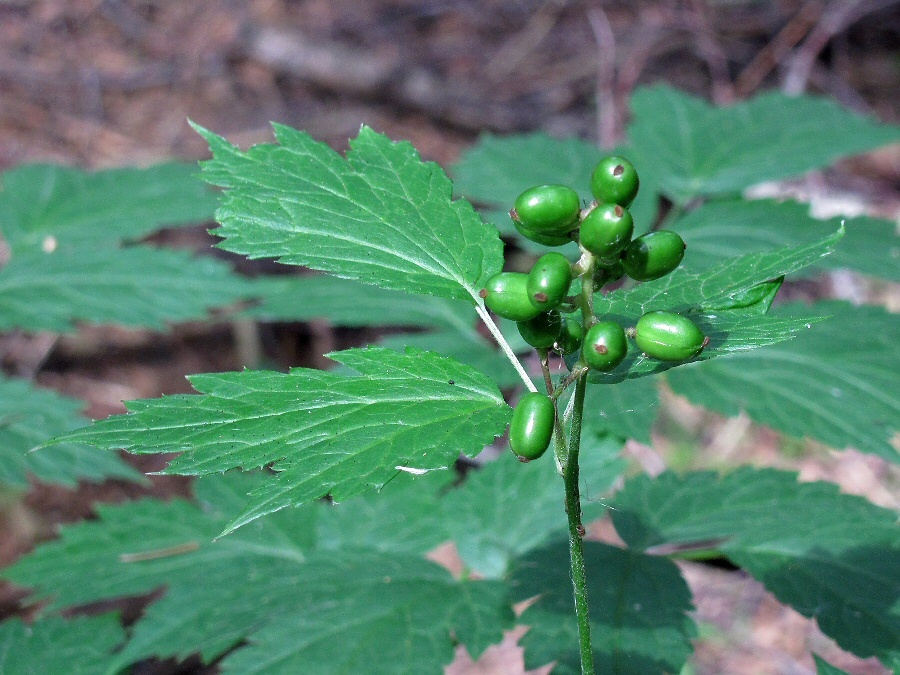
570, 478
576, 532
504, 345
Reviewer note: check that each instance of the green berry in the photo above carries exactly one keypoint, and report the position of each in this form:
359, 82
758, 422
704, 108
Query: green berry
570, 338
615, 181
668, 337
545, 238
506, 294
542, 331
653, 255
550, 209
606, 230
604, 346
532, 426
549, 280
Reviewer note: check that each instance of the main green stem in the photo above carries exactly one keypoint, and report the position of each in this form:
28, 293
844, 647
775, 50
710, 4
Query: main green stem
576, 532
570, 478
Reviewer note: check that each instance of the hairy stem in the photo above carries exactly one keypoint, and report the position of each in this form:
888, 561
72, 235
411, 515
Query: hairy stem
570, 478
504, 345
576, 532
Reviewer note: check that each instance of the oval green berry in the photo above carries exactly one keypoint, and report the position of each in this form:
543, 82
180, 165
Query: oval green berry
542, 331
544, 238
653, 255
547, 209
506, 294
604, 346
615, 181
606, 230
549, 280
531, 427
668, 337
570, 338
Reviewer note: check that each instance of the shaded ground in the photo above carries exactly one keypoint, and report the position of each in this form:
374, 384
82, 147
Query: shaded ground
102, 83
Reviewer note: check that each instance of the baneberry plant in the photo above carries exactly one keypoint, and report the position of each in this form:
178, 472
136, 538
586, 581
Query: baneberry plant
264, 574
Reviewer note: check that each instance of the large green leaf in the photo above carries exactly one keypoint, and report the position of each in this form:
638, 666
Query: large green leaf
79, 209
639, 608
832, 557
716, 301
506, 508
267, 585
693, 149
349, 303
134, 286
380, 216
326, 433
466, 346
626, 410
723, 229
80, 646
836, 382
499, 168
406, 516
30, 417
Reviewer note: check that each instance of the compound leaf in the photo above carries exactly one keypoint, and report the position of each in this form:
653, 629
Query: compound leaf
716, 301
832, 557
724, 229
626, 410
693, 149
80, 646
43, 205
31, 416
639, 608
326, 433
836, 382
380, 216
349, 303
506, 508
136, 286
271, 588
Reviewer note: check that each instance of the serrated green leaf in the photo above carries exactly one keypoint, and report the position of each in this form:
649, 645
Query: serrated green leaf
836, 382
135, 286
265, 579
825, 668
832, 557
698, 296
467, 347
723, 229
693, 149
639, 608
406, 516
348, 303
79, 646
82, 209
625, 410
380, 216
404, 623
326, 433
498, 169
506, 508
31, 416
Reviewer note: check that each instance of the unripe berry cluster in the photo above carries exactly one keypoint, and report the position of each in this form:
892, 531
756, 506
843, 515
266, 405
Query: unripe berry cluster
538, 301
